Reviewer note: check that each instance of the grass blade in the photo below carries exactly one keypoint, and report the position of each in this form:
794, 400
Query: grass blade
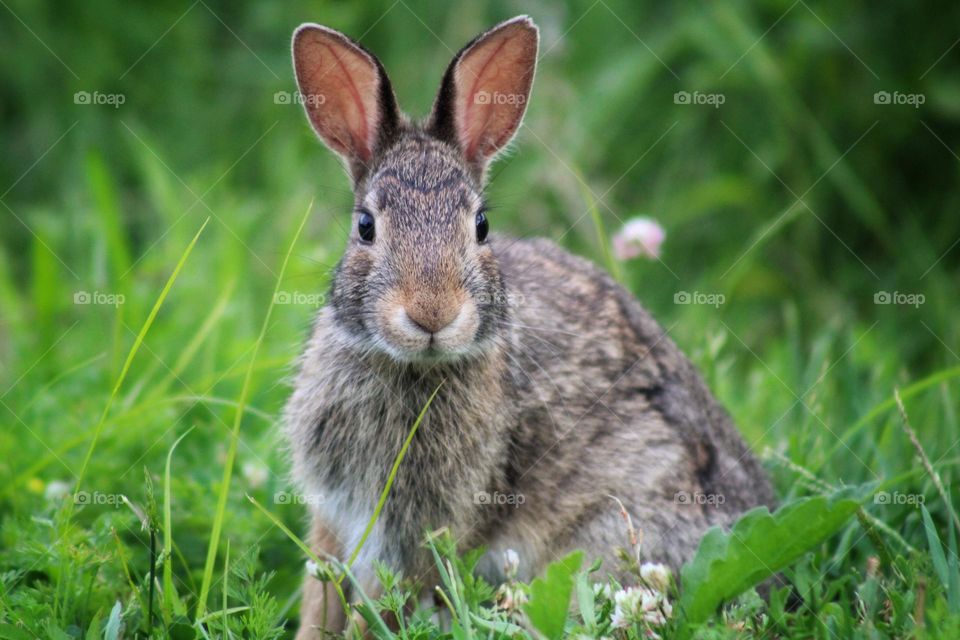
169, 591
235, 435
130, 356
881, 408
390, 478
306, 549
613, 267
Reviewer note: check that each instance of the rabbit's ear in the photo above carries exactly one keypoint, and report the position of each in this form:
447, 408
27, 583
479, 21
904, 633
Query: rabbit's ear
346, 94
485, 89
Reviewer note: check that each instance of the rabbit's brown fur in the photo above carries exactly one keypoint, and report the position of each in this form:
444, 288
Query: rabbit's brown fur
557, 390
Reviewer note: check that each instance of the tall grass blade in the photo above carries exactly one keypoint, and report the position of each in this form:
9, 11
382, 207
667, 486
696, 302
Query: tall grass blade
393, 474
104, 192
297, 540
130, 356
882, 407
169, 591
235, 435
613, 267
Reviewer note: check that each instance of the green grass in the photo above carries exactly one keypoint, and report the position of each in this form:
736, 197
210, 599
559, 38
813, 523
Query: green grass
120, 397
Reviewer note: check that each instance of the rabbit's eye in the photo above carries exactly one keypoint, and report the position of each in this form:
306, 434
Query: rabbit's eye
365, 227
483, 227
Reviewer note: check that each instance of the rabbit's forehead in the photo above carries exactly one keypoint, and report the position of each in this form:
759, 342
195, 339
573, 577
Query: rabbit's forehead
417, 180
403, 201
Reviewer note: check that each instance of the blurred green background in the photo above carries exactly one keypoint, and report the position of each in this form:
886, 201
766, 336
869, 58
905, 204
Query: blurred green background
799, 199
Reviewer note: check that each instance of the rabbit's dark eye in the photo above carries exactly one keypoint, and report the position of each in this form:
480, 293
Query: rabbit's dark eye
365, 227
483, 227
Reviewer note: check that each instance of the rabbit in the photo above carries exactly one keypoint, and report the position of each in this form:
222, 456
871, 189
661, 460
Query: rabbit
556, 392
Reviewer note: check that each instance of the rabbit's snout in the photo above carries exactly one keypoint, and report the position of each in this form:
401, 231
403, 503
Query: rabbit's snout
431, 317
429, 324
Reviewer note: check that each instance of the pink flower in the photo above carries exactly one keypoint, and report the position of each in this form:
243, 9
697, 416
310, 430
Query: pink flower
638, 237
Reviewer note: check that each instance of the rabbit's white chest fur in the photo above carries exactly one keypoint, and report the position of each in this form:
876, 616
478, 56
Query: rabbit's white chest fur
347, 422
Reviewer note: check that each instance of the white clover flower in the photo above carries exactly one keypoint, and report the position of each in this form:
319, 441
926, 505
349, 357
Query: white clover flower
511, 563
56, 490
636, 605
656, 576
638, 237
255, 474
627, 603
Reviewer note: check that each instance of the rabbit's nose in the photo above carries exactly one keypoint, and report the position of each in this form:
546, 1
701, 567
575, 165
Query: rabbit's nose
432, 318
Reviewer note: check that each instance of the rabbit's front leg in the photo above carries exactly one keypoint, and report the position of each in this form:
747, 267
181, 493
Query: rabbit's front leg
321, 609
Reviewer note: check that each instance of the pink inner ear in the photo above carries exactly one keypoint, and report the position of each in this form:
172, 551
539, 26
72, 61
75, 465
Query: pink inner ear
339, 84
495, 76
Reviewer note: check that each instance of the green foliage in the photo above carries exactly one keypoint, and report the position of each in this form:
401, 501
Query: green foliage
945, 562
759, 545
550, 595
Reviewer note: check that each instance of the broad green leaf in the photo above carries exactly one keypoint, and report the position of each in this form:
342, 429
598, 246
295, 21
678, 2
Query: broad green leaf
946, 570
759, 545
93, 629
496, 626
586, 600
12, 632
953, 587
937, 556
112, 631
550, 596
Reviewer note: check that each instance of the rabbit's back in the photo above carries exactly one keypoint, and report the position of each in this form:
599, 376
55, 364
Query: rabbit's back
609, 406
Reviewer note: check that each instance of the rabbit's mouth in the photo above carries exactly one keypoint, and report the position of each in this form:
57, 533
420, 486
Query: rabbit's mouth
412, 336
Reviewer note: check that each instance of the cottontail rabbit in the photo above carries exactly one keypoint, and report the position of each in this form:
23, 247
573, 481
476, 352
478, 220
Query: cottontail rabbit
558, 389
